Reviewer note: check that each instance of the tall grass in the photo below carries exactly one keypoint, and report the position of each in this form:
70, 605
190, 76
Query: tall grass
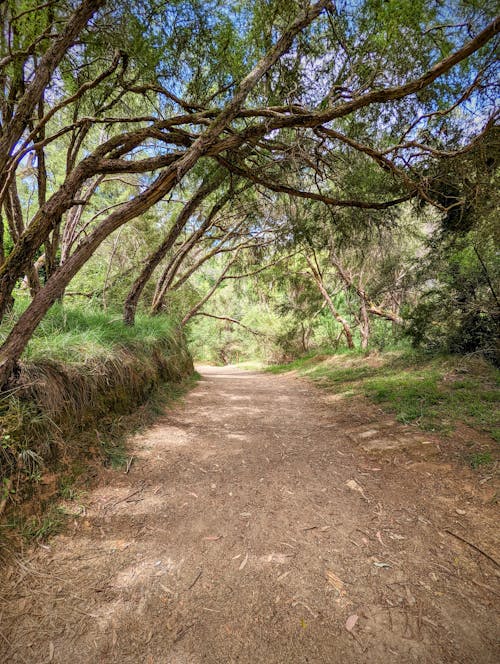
82, 372
76, 334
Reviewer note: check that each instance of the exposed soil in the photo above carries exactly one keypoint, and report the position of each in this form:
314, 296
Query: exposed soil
266, 521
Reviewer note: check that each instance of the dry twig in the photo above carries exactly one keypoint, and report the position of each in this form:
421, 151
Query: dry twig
473, 546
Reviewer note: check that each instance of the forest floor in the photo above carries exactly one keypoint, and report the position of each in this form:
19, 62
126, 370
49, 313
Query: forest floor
263, 520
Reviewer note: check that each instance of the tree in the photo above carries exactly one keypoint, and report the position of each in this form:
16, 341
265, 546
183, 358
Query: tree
62, 200
285, 126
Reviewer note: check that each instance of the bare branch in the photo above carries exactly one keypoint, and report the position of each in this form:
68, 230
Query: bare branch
232, 320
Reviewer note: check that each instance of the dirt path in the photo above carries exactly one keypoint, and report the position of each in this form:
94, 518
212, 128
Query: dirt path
255, 521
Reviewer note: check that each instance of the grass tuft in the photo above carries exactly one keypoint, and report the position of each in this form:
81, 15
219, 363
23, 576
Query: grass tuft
39, 527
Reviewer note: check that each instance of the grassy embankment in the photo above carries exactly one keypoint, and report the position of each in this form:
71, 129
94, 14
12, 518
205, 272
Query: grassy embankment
456, 397
86, 381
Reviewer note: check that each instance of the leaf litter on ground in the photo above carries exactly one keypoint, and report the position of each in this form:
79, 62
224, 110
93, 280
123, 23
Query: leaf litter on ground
351, 622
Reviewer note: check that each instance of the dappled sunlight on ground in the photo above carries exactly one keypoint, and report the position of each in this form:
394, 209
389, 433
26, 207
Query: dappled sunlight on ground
251, 533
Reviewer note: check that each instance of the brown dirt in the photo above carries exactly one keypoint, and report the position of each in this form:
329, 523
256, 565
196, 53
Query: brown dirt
258, 517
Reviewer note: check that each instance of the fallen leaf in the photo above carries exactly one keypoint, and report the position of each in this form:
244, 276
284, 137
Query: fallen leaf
280, 558
379, 564
243, 562
354, 486
409, 597
379, 537
461, 512
212, 538
351, 621
51, 651
334, 581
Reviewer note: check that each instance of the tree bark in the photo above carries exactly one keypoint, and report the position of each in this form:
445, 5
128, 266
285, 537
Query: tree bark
132, 299
333, 309
14, 214
364, 326
34, 236
170, 271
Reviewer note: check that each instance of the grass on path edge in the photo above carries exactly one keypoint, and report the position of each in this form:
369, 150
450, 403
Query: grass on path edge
438, 394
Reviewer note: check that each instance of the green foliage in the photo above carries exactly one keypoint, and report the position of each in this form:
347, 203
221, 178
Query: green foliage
480, 459
115, 453
413, 395
38, 528
457, 310
458, 306
82, 375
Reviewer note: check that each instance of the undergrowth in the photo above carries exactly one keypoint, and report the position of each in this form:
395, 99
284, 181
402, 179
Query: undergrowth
78, 334
83, 375
433, 393
38, 527
73, 475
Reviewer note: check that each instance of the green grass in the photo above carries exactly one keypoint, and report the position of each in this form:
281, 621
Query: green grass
115, 453
108, 442
481, 459
87, 382
432, 393
75, 334
40, 527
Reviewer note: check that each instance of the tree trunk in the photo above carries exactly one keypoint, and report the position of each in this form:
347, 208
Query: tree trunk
44, 71
335, 313
132, 300
14, 214
25, 248
167, 283
364, 326
170, 271
369, 305
21, 333
2, 246
204, 300
51, 247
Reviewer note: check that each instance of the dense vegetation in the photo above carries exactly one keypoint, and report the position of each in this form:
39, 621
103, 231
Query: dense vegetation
274, 177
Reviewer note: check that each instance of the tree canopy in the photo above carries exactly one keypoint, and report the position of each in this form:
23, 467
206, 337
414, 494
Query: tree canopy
296, 141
